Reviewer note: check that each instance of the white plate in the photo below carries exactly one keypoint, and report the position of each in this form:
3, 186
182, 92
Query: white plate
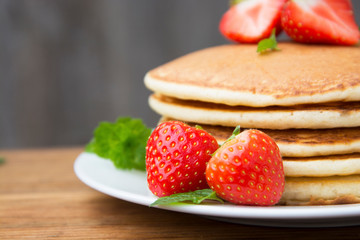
131, 186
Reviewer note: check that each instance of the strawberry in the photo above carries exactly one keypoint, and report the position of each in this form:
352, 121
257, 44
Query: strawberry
247, 170
176, 158
250, 21
320, 21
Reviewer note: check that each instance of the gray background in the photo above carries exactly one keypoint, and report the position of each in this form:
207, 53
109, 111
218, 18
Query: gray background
66, 65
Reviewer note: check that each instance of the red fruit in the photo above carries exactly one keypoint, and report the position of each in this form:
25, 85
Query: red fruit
176, 158
251, 20
320, 21
247, 170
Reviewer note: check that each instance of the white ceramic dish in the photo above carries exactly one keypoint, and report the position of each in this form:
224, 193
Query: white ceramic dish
131, 186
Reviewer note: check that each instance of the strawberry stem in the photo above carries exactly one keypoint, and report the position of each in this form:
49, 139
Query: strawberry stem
198, 127
234, 134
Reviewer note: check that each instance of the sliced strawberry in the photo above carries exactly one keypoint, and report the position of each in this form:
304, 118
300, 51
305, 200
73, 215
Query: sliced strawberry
247, 170
176, 157
251, 20
320, 21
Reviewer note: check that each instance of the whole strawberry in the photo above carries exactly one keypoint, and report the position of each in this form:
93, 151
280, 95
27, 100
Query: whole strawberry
247, 170
176, 158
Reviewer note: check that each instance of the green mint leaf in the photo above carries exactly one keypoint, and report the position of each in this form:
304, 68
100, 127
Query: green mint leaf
2, 160
123, 142
196, 197
268, 44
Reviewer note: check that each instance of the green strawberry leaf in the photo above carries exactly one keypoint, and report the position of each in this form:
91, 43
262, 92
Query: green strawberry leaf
196, 197
123, 142
199, 127
268, 44
236, 131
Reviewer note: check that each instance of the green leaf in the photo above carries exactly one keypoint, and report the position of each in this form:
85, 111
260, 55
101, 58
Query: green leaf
236, 131
196, 197
2, 160
123, 142
268, 44
90, 146
199, 127
234, 2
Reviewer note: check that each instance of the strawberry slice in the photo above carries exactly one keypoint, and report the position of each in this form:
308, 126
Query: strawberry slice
250, 21
320, 21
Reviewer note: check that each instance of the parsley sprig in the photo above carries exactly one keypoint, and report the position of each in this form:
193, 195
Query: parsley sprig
123, 142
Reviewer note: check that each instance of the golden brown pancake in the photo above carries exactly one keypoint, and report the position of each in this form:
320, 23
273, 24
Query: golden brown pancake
238, 75
322, 166
321, 190
306, 97
325, 115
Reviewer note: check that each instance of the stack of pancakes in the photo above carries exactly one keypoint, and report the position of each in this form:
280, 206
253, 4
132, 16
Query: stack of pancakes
306, 97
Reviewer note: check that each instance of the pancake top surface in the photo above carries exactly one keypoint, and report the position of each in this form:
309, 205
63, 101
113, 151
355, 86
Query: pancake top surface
238, 75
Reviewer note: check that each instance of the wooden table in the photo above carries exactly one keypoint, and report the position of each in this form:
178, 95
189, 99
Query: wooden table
41, 198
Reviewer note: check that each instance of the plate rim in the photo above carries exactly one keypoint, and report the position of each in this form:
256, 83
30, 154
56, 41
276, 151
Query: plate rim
212, 210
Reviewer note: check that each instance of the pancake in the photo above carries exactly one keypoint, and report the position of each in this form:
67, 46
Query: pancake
321, 191
322, 166
300, 142
315, 116
306, 97
238, 75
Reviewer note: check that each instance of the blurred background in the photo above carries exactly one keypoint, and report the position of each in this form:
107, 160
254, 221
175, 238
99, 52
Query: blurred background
67, 65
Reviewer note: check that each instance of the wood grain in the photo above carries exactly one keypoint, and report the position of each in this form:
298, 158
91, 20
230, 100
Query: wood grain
41, 198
